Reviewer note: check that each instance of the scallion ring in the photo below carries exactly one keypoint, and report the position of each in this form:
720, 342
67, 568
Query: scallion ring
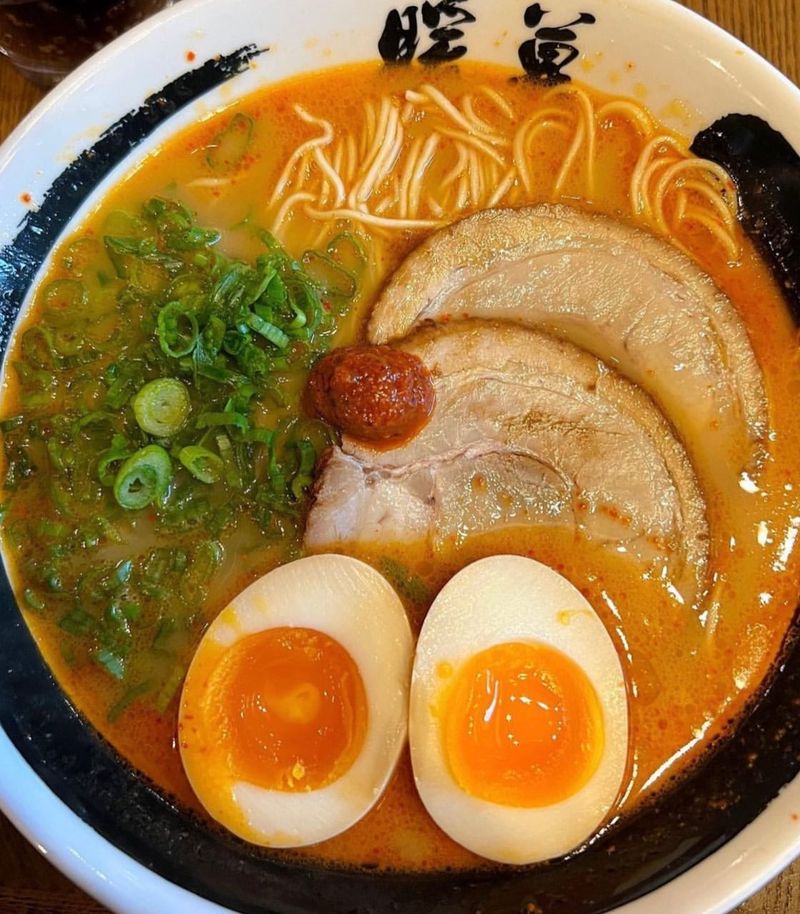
304, 476
106, 463
177, 330
330, 276
64, 301
143, 478
162, 407
203, 464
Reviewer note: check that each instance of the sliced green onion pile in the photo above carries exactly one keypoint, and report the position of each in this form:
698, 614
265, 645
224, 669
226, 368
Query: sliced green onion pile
158, 420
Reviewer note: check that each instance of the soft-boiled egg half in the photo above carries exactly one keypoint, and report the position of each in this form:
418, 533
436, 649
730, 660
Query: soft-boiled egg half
294, 710
518, 717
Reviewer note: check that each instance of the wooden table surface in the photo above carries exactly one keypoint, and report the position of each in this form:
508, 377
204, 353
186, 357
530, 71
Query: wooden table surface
28, 884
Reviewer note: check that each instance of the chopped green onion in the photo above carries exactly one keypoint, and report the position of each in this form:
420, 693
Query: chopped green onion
129, 696
123, 251
252, 360
209, 420
269, 331
210, 342
102, 580
240, 401
143, 478
201, 463
119, 222
189, 239
162, 407
111, 661
277, 477
54, 582
147, 277
98, 417
131, 611
11, 423
63, 300
277, 395
207, 558
232, 475
118, 451
261, 435
78, 622
170, 687
220, 375
52, 528
124, 378
411, 586
107, 530
329, 275
178, 330
33, 599
188, 287
122, 573
67, 652
229, 286
229, 147
80, 255
356, 259
117, 621
274, 296
300, 318
39, 388
307, 299
38, 348
163, 636
259, 284
233, 341
135, 247
304, 477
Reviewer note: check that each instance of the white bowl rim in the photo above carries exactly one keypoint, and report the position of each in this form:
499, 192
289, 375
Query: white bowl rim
715, 885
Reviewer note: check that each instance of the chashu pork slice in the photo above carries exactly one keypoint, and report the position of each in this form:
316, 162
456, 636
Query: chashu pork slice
526, 429
628, 297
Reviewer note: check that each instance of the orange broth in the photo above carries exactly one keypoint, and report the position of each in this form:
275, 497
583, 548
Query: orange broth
687, 682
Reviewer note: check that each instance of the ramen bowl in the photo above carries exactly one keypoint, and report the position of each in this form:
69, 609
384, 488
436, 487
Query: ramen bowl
726, 827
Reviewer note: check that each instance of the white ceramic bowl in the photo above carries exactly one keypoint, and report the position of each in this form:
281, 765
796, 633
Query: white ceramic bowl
691, 72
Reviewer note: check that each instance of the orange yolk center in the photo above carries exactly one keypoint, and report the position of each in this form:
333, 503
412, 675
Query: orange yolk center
290, 708
522, 726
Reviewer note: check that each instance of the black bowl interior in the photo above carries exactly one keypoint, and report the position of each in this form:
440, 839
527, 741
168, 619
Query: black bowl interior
703, 812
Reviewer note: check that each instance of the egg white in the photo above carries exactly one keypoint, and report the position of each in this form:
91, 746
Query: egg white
353, 604
507, 599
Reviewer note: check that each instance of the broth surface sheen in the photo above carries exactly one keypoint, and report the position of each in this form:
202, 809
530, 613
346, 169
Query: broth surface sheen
691, 672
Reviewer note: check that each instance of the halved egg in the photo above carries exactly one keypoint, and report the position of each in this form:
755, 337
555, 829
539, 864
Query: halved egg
518, 715
294, 710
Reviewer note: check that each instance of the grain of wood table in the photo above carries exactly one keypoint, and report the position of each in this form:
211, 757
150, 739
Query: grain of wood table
28, 884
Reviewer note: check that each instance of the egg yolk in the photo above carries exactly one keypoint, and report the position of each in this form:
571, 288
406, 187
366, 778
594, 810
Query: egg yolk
522, 725
289, 706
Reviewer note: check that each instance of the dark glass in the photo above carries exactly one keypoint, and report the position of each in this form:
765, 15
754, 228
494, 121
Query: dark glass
45, 39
